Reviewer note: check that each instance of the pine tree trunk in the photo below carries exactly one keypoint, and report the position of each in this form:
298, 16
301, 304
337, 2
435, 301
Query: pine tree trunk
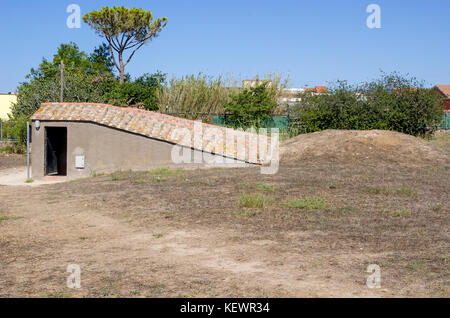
122, 69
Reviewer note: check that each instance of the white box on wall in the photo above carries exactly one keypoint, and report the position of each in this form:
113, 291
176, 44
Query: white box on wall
79, 162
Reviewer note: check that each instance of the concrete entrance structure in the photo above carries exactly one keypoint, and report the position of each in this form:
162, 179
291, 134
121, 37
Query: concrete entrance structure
80, 139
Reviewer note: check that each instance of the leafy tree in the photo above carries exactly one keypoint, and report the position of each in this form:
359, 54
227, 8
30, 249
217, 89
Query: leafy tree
251, 107
101, 59
141, 93
72, 56
86, 79
124, 29
74, 59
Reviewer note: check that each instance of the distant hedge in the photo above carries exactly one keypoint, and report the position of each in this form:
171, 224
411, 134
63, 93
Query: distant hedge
393, 102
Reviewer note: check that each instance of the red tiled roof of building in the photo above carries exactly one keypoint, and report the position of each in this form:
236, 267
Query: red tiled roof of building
445, 89
316, 89
164, 127
321, 89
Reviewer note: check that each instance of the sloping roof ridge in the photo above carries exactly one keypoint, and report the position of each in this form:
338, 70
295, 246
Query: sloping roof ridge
178, 120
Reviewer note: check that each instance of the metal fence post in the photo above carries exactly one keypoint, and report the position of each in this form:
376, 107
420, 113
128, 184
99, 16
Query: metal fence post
28, 151
61, 67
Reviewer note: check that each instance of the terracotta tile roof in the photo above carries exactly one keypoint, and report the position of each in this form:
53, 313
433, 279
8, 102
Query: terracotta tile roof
316, 89
445, 89
321, 89
168, 128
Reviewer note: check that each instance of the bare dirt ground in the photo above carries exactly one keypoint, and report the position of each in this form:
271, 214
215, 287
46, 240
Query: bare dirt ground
13, 171
195, 234
9, 161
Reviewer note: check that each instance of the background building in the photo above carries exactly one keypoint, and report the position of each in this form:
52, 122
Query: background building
445, 91
6, 101
291, 96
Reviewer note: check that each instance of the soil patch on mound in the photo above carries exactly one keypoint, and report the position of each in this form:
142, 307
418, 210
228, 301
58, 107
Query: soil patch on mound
371, 146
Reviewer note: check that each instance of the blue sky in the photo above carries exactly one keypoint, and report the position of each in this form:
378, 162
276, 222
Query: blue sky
312, 42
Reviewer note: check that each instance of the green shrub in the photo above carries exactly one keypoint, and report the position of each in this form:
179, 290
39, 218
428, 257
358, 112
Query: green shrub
392, 102
251, 107
14, 147
18, 129
254, 201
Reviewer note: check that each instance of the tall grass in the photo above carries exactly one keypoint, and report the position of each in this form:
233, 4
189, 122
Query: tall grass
194, 95
197, 96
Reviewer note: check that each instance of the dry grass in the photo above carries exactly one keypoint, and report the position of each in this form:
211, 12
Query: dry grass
233, 233
308, 203
408, 191
442, 141
164, 171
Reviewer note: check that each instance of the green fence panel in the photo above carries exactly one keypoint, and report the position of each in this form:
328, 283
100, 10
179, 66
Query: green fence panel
445, 124
280, 122
219, 120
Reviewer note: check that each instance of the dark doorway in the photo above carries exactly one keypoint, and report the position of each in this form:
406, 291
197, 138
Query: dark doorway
55, 151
